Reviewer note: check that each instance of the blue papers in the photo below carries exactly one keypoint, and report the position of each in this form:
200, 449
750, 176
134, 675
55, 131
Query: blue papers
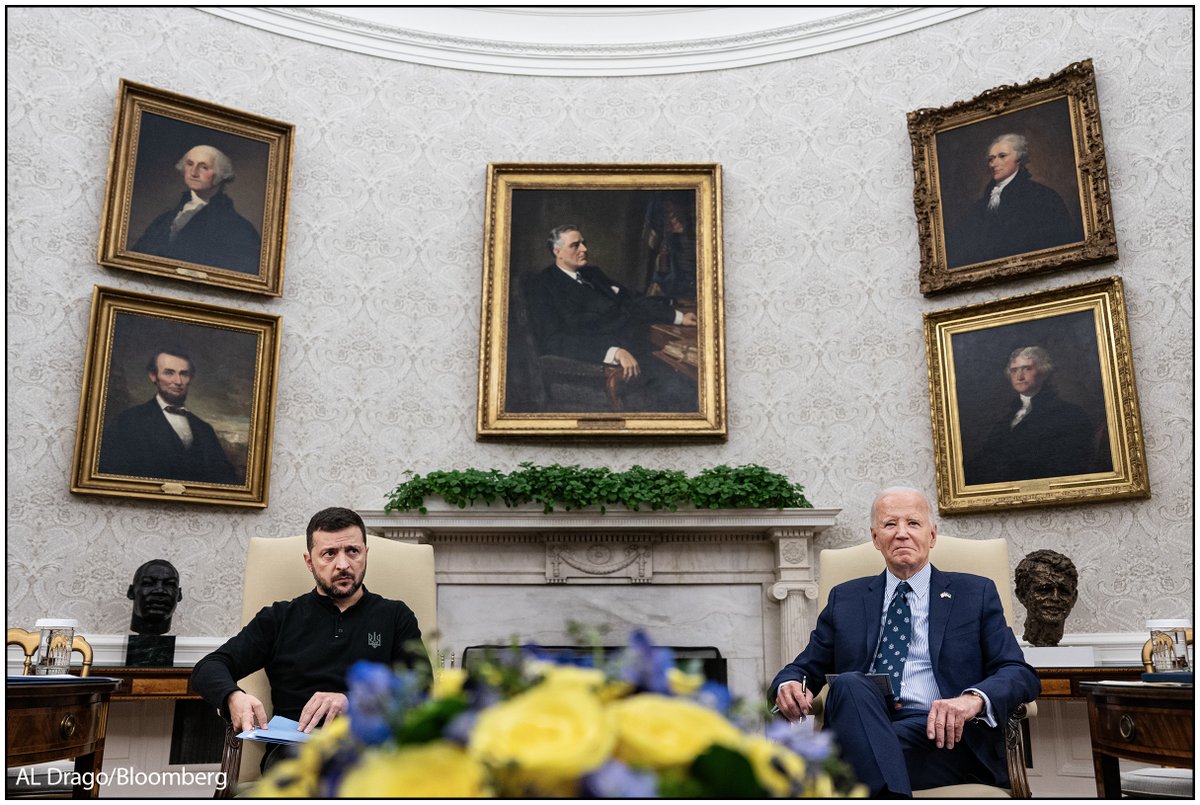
279, 730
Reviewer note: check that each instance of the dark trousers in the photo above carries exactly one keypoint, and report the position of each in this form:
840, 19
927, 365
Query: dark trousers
888, 749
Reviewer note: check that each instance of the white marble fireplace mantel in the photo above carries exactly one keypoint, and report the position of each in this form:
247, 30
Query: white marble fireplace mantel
743, 580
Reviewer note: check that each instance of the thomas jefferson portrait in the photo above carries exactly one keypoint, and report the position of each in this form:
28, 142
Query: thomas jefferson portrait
1031, 401
198, 196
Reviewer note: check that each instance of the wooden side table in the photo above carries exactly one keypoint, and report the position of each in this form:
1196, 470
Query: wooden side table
1136, 721
1063, 683
149, 683
58, 721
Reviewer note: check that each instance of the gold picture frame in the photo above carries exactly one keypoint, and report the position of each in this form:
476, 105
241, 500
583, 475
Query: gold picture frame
1054, 215
1079, 438
154, 220
215, 369
652, 286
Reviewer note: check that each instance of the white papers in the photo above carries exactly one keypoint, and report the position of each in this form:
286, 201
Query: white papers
279, 730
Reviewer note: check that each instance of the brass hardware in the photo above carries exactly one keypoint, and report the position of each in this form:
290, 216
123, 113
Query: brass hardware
66, 727
1126, 727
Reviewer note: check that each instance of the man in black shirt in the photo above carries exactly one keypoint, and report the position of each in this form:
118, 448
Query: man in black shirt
307, 644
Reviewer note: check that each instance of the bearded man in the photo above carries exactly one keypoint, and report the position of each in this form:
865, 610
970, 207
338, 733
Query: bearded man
306, 645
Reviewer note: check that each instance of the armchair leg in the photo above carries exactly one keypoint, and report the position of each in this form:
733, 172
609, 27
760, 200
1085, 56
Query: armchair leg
231, 763
1014, 747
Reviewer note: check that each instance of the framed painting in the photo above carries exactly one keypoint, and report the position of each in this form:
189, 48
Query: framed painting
196, 192
1033, 401
178, 401
603, 308
1011, 183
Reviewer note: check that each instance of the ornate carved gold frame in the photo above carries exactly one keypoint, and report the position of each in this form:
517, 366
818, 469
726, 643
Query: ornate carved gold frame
189, 325
494, 417
134, 102
1102, 300
1076, 86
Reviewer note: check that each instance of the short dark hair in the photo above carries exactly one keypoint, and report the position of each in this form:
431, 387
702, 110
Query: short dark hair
152, 364
335, 518
556, 235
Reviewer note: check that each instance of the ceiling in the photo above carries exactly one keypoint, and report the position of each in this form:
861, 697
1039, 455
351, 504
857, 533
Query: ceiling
590, 40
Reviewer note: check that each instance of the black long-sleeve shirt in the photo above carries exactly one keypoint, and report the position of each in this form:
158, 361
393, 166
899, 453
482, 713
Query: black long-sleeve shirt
306, 645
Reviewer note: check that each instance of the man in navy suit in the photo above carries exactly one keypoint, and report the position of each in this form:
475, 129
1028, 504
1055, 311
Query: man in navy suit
577, 311
963, 674
161, 438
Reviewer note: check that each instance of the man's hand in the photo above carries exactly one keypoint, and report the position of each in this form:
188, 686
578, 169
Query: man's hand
321, 706
689, 319
947, 717
245, 711
793, 701
628, 363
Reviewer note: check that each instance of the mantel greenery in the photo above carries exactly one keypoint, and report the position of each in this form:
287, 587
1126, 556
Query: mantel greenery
573, 487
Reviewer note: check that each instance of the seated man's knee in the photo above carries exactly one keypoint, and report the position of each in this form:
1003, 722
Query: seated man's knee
852, 683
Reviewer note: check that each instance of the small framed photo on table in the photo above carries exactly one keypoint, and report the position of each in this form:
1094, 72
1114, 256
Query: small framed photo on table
1033, 401
178, 401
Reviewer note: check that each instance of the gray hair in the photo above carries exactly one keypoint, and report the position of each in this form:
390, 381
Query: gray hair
1020, 145
900, 490
556, 235
1039, 356
221, 163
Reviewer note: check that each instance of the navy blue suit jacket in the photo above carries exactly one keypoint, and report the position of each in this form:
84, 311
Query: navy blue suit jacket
970, 646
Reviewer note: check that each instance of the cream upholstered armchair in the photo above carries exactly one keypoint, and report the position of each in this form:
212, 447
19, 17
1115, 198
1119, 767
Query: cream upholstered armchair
987, 558
275, 571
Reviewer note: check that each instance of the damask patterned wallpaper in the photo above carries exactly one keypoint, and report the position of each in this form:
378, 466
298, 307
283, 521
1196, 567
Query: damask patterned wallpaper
382, 293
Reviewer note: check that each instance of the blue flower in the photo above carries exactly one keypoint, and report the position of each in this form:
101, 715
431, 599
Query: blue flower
372, 687
714, 696
813, 746
644, 665
615, 780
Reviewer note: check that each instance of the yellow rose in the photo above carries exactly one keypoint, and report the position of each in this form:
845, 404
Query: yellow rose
776, 767
448, 682
588, 678
437, 769
544, 739
324, 742
287, 779
683, 684
658, 731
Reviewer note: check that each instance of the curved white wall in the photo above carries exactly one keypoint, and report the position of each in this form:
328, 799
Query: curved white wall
381, 304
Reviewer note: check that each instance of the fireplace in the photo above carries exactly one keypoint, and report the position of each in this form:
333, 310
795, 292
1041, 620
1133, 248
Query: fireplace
740, 581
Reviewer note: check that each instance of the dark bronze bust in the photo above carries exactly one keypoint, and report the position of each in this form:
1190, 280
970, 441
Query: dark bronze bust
155, 592
1048, 586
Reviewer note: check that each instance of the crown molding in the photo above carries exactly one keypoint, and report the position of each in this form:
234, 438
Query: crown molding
618, 41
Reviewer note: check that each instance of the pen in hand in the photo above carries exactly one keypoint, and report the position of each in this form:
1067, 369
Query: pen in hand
803, 693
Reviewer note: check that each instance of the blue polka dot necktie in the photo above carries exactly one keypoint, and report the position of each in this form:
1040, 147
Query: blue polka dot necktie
897, 634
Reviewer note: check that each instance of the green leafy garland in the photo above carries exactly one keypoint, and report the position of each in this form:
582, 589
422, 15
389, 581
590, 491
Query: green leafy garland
573, 487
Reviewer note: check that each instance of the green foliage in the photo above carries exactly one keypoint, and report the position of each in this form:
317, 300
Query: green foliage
573, 487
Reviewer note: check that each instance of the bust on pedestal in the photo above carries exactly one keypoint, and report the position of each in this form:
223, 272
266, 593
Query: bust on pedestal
155, 591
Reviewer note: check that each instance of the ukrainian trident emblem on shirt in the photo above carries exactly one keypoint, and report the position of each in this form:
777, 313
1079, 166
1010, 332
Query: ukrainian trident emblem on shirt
374, 640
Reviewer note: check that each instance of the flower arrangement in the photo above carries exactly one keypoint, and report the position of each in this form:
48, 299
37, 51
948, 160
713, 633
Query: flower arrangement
524, 725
